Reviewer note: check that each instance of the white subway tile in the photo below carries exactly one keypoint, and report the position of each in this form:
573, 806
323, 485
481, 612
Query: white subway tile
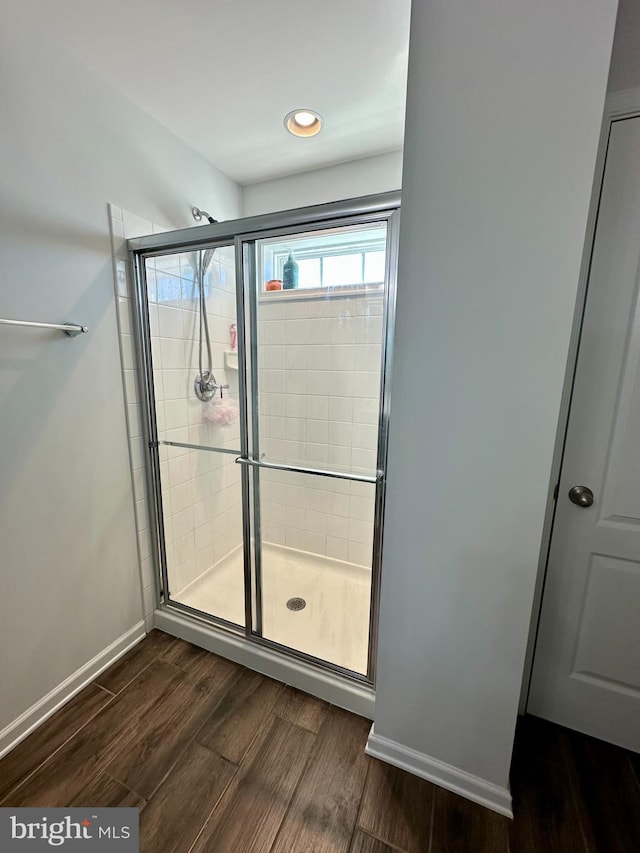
172, 353
124, 315
337, 548
176, 415
319, 382
179, 470
275, 533
366, 384
295, 538
342, 384
341, 409
184, 548
295, 429
295, 496
176, 384
367, 357
318, 409
318, 500
204, 559
130, 386
316, 522
338, 526
296, 517
360, 554
203, 536
318, 454
319, 357
295, 332
366, 410
296, 382
340, 434
181, 496
273, 333
134, 420
272, 357
273, 382
295, 357
364, 460
317, 431
315, 543
360, 531
182, 522
340, 457
142, 515
361, 509
148, 600
295, 405
272, 404
144, 544
365, 436
154, 326
170, 322
338, 504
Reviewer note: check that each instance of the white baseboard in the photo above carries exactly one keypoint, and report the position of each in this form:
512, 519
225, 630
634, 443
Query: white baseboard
356, 698
16, 731
446, 775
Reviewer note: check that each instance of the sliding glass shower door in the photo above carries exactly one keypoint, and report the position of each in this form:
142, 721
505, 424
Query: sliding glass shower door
265, 347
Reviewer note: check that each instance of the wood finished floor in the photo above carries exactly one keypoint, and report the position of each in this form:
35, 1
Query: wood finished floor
221, 760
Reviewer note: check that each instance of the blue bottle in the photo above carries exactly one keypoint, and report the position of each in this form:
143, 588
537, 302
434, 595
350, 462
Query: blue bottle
290, 274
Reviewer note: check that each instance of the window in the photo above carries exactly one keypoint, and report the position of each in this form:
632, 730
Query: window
352, 256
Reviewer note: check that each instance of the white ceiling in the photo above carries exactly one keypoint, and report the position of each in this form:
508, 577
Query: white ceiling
222, 74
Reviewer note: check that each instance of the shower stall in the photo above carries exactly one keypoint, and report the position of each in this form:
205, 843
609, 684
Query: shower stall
267, 396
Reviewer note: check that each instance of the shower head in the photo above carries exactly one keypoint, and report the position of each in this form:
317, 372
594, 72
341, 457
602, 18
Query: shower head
198, 215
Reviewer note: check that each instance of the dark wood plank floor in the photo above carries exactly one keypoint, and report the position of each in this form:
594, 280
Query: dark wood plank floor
221, 760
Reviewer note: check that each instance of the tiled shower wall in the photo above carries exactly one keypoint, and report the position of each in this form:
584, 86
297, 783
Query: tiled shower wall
319, 403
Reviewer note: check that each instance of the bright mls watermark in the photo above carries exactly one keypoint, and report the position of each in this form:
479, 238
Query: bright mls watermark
104, 830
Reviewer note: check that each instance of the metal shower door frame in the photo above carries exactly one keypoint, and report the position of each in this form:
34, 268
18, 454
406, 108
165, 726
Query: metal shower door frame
243, 234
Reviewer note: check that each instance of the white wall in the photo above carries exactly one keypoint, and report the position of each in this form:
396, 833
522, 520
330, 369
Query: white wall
379, 174
69, 145
504, 108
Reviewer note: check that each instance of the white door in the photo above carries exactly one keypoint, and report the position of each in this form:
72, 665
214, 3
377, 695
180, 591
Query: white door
586, 672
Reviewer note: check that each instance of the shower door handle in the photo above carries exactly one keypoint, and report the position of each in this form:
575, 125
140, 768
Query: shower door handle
321, 472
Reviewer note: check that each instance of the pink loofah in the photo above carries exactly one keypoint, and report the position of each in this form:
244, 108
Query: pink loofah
221, 412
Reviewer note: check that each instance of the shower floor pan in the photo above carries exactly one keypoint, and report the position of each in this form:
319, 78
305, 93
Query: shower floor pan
333, 625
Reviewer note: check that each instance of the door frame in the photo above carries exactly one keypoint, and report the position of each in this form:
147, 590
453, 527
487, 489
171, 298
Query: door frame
172, 615
618, 106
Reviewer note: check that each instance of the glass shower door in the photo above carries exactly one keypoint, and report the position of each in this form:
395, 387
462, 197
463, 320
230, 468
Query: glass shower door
316, 312
191, 303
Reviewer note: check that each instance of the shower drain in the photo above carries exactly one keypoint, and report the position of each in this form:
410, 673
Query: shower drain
296, 604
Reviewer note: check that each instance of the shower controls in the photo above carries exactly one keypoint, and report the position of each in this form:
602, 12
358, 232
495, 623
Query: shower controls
205, 387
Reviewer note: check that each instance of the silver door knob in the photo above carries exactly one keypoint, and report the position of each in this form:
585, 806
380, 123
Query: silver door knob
581, 496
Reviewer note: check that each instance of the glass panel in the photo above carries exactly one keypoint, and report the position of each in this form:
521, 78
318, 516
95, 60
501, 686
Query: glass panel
317, 540
202, 509
319, 359
201, 492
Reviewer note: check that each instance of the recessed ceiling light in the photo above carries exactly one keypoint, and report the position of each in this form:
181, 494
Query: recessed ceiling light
303, 122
